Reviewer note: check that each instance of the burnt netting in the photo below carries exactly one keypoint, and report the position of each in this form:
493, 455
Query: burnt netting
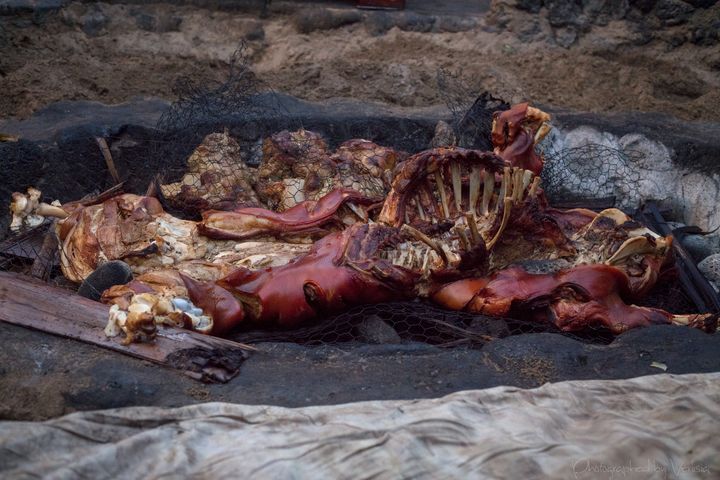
471, 115
405, 322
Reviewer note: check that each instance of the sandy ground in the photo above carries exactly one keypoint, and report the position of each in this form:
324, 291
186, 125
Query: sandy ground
116, 52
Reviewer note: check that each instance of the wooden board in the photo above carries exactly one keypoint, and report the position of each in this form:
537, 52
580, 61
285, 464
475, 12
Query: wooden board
30, 303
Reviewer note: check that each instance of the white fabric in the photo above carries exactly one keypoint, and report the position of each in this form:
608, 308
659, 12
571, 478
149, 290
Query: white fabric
663, 426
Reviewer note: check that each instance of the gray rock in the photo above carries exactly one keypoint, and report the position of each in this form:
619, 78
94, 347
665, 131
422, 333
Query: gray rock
532, 6
374, 330
644, 5
16, 6
701, 246
601, 12
710, 267
414, 22
378, 23
673, 12
159, 24
702, 3
530, 31
94, 23
453, 24
706, 35
105, 276
312, 19
565, 37
562, 13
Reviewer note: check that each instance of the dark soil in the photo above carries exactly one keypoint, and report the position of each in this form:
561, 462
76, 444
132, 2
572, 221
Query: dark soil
589, 57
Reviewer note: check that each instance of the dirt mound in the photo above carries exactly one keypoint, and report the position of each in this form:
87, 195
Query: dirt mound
576, 58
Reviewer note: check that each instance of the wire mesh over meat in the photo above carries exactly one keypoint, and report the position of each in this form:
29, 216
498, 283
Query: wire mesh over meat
591, 171
228, 155
471, 115
404, 322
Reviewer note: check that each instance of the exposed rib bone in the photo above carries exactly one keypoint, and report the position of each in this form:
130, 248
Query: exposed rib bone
357, 211
533, 188
517, 185
527, 178
421, 212
472, 223
424, 263
504, 186
462, 236
443, 194
426, 193
488, 189
418, 235
457, 184
475, 180
506, 216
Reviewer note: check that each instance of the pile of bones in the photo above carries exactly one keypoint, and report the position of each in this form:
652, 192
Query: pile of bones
313, 232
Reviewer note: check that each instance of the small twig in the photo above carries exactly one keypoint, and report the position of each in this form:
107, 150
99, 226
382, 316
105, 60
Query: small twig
108, 158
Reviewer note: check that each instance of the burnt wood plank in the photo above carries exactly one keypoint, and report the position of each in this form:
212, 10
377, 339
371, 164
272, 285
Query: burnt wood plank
30, 303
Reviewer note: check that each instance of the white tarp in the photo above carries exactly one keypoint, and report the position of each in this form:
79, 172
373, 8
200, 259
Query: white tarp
664, 426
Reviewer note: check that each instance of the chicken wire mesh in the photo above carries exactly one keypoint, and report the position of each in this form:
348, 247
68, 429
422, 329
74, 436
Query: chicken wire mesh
591, 171
471, 116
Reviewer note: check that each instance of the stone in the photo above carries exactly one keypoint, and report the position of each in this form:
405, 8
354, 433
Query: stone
601, 12
378, 23
94, 23
701, 3
530, 31
414, 22
700, 246
673, 12
454, 24
562, 13
706, 35
565, 37
375, 331
532, 6
313, 19
159, 24
643, 5
710, 267
115, 272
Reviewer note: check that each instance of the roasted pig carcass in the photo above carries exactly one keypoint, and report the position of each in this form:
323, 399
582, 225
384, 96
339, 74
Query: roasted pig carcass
582, 297
516, 132
334, 211
216, 178
298, 166
137, 230
161, 297
458, 214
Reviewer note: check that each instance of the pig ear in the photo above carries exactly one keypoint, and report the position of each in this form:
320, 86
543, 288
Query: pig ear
216, 302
